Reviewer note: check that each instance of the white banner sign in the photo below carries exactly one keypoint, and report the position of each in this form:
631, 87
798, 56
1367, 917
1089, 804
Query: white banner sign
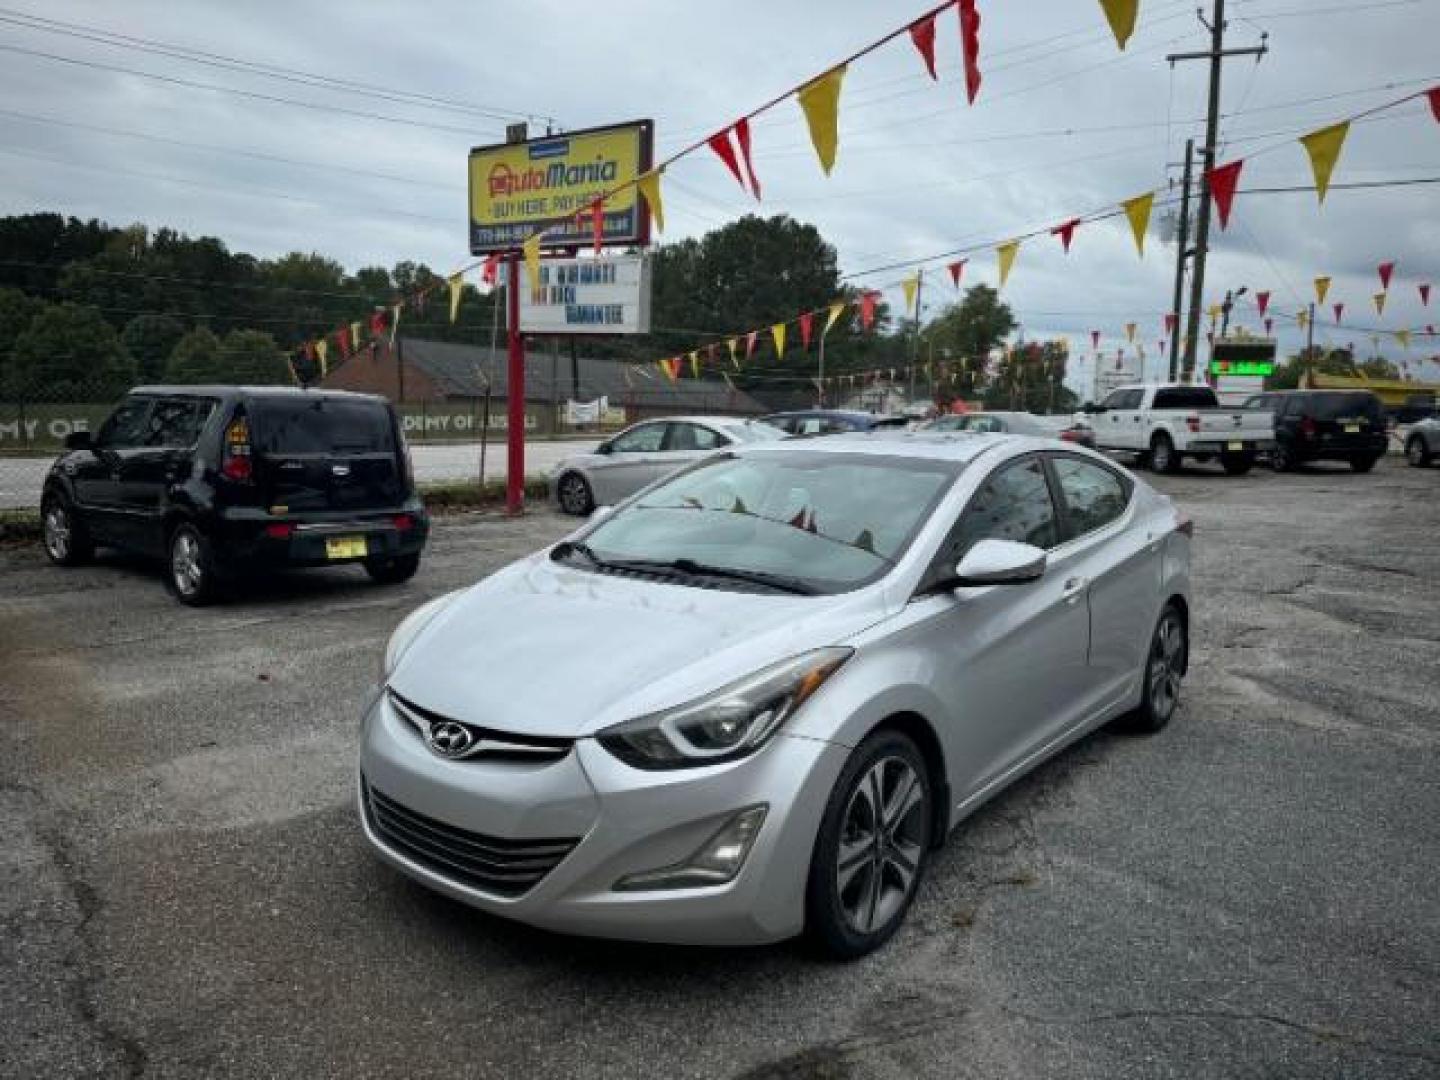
609, 295
586, 412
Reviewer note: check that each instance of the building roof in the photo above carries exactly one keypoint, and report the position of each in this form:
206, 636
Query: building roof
463, 371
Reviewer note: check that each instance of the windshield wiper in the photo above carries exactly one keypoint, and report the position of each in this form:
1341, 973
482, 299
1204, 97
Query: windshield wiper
691, 568
566, 548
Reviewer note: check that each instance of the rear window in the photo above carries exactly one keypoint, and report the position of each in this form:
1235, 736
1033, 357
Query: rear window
1186, 397
319, 425
1334, 406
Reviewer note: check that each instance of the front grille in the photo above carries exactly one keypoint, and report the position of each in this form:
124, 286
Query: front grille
489, 863
488, 743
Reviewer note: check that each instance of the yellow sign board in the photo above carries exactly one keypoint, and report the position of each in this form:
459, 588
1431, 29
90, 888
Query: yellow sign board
516, 187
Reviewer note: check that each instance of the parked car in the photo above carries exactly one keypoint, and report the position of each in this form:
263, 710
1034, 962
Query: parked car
1015, 423
222, 479
831, 421
1422, 442
645, 452
1326, 425
751, 702
1167, 422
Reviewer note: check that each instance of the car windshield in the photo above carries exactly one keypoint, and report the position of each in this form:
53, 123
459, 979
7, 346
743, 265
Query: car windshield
819, 522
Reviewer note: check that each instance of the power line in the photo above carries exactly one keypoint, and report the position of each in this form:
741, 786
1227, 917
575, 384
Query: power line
253, 67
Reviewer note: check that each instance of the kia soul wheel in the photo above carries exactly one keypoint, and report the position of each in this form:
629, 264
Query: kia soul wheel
872, 848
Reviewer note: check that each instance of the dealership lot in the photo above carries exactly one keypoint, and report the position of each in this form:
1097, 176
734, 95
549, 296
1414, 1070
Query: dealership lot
1251, 893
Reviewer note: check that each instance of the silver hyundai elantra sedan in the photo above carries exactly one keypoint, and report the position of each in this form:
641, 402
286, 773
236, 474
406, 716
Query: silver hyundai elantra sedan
750, 701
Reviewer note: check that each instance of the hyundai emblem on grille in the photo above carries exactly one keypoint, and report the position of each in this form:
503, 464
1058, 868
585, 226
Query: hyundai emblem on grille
448, 739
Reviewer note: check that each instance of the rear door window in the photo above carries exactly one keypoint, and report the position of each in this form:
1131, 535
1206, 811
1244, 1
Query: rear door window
321, 425
689, 437
175, 423
1094, 496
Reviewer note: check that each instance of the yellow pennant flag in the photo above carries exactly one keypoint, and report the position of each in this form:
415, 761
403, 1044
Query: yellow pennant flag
694, 365
649, 186
1130, 331
911, 286
1403, 336
1322, 289
821, 102
1302, 319
1138, 211
836, 310
1121, 15
322, 347
778, 333
734, 343
531, 248
1007, 253
455, 282
355, 330
1379, 303
1214, 313
1323, 147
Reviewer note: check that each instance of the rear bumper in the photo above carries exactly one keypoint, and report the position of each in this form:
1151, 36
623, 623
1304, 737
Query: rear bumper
1246, 445
1332, 448
257, 539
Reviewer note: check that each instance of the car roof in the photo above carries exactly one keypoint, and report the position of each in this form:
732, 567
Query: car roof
223, 390
962, 446
847, 414
697, 420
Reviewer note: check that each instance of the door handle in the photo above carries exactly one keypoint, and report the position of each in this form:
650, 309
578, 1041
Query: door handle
1074, 589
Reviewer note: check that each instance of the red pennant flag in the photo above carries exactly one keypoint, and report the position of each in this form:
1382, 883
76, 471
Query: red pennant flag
970, 47
1169, 323
1425, 294
1339, 312
377, 323
1269, 326
720, 143
806, 321
1094, 339
1385, 269
490, 269
750, 343
922, 33
597, 218
310, 351
1434, 95
742, 134
955, 269
1066, 232
1223, 180
342, 338
1262, 301
867, 309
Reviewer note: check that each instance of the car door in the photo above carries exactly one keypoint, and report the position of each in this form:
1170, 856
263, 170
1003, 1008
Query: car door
1119, 561
685, 442
96, 475
1108, 427
1129, 421
627, 464
161, 458
1009, 660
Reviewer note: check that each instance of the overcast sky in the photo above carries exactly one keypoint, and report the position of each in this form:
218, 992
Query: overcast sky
1064, 124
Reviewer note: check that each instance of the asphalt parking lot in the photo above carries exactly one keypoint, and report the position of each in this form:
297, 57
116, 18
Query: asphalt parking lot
1253, 893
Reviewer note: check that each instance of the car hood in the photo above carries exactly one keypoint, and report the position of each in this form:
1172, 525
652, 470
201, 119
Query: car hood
545, 649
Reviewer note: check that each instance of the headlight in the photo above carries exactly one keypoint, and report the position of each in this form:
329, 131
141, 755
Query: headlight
734, 721
409, 627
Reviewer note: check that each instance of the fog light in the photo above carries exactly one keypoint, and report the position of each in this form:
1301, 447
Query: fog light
716, 861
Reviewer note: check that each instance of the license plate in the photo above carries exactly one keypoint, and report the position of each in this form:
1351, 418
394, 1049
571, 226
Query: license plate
1235, 446
1352, 428
345, 547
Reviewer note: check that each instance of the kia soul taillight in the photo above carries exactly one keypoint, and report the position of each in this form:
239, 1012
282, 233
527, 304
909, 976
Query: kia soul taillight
235, 461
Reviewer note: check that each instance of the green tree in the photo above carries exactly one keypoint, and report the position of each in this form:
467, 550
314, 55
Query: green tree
17, 312
964, 335
69, 353
196, 359
251, 357
150, 339
1031, 377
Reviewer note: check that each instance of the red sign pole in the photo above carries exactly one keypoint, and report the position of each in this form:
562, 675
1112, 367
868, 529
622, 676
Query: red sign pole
515, 434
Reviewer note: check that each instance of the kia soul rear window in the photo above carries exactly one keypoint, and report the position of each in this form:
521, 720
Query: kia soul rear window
322, 426
1335, 406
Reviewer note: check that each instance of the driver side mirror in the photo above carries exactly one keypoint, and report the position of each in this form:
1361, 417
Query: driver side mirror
79, 440
999, 562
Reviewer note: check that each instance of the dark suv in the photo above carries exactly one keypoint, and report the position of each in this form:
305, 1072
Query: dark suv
220, 479
1325, 425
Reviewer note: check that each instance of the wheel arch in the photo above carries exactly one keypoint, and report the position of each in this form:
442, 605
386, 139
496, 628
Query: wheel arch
919, 729
1182, 605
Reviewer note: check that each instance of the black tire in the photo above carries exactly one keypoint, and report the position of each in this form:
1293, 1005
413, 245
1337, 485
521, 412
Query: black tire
1163, 458
1167, 658
846, 921
1363, 464
67, 540
394, 570
1237, 464
1282, 459
574, 494
1417, 453
192, 573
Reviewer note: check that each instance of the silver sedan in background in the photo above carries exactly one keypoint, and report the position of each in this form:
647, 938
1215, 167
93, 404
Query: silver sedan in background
645, 452
751, 701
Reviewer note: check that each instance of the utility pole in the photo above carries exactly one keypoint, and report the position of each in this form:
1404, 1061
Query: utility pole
915, 345
1216, 55
1309, 364
1177, 309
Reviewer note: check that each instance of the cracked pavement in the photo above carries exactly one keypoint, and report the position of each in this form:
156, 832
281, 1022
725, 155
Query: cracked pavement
1252, 893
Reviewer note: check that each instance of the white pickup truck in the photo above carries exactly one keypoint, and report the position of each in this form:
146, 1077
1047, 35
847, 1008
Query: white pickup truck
1167, 422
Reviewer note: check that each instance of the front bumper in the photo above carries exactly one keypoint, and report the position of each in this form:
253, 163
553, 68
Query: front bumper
625, 821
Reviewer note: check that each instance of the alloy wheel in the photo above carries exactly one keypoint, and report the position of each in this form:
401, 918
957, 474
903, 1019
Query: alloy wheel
185, 567
881, 844
574, 495
1415, 453
57, 532
1167, 666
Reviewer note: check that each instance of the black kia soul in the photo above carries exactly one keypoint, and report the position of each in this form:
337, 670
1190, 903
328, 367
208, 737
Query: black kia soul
221, 479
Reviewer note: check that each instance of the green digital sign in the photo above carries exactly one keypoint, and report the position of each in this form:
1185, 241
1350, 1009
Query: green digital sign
1243, 358
1242, 367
